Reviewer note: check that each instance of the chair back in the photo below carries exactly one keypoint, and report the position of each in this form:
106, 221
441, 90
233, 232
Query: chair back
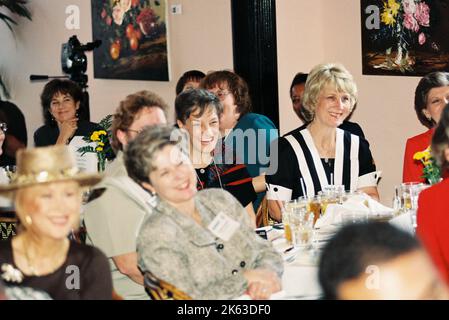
160, 290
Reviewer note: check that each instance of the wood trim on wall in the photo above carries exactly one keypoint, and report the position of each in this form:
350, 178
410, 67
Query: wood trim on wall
255, 52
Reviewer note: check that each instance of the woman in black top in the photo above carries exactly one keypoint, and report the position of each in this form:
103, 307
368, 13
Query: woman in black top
41, 258
198, 112
63, 114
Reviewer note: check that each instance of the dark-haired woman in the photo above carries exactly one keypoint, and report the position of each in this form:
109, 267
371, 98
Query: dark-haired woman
61, 106
433, 207
431, 95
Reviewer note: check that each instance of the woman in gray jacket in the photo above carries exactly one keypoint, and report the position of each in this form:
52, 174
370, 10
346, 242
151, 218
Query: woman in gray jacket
199, 241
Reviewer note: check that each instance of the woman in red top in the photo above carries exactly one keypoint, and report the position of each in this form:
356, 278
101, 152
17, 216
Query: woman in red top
431, 95
433, 207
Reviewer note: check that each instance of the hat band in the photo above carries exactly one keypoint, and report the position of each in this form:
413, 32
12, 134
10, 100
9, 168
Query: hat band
44, 176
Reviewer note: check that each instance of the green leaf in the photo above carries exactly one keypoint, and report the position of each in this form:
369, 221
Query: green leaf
85, 149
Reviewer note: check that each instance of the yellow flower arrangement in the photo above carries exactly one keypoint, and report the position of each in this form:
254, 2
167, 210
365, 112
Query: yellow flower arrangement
101, 139
431, 171
391, 10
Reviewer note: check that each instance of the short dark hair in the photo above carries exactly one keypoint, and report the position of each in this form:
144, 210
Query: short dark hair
190, 101
357, 246
440, 140
300, 78
427, 83
191, 75
236, 85
128, 109
61, 86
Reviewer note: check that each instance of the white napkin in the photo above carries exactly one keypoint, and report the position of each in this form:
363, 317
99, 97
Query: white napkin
357, 204
404, 222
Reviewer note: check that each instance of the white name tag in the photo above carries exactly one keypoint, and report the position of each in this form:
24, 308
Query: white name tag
223, 226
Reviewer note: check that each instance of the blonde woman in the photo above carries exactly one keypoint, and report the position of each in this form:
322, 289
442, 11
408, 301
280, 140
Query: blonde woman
47, 197
320, 154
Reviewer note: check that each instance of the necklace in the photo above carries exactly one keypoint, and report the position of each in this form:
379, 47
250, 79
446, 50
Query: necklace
217, 173
30, 265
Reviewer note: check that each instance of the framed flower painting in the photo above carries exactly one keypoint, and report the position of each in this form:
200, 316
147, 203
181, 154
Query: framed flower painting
404, 37
134, 39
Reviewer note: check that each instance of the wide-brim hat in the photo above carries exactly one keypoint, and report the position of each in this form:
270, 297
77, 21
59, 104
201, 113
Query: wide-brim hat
47, 164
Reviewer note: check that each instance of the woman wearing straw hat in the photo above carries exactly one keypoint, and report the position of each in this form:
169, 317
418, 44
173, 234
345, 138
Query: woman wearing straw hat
310, 158
46, 190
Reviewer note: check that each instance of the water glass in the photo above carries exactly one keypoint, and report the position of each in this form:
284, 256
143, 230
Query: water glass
408, 193
301, 223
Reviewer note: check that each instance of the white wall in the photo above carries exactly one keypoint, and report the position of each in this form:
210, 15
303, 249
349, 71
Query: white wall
330, 31
200, 38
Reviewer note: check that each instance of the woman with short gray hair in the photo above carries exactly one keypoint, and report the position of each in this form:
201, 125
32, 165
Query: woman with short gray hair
187, 226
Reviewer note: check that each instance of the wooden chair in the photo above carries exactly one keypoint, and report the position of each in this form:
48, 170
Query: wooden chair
263, 218
8, 224
161, 290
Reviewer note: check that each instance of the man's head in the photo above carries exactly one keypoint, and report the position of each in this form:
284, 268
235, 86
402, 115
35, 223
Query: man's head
189, 80
378, 261
297, 91
136, 112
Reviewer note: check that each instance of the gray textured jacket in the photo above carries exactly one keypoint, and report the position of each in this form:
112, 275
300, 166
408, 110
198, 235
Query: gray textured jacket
178, 250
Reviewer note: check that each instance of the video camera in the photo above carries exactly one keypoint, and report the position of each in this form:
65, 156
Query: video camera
74, 60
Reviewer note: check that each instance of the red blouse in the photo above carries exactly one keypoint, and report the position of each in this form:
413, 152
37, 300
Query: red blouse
413, 170
433, 224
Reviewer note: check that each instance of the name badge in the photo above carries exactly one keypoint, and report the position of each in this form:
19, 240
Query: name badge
223, 226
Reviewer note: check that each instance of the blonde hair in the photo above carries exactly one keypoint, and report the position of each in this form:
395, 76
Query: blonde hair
334, 74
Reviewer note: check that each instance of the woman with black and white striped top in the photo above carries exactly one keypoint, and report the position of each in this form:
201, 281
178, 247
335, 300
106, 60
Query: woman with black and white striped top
320, 154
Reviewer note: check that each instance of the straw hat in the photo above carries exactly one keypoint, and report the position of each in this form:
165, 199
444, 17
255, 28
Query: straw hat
47, 164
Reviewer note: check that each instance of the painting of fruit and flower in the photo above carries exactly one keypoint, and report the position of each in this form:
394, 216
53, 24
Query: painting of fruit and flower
134, 39
405, 37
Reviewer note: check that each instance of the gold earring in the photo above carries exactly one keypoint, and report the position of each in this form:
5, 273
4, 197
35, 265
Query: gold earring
28, 220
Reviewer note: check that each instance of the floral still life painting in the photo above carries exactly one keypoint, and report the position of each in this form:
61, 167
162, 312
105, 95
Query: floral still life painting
134, 39
405, 37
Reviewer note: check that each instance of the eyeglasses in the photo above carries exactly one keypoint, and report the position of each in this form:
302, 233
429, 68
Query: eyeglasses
135, 131
3, 126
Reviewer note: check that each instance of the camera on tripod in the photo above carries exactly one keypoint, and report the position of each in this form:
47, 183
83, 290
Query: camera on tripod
74, 63
74, 60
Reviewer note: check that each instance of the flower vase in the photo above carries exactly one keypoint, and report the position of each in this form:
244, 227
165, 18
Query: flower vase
101, 163
398, 59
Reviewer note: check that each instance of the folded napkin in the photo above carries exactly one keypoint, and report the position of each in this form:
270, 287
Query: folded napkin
362, 205
404, 222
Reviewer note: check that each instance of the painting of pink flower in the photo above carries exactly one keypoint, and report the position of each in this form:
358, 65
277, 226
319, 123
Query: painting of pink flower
422, 14
421, 38
410, 22
409, 6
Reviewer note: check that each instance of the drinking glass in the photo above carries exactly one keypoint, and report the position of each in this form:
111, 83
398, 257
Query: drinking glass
301, 223
407, 191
